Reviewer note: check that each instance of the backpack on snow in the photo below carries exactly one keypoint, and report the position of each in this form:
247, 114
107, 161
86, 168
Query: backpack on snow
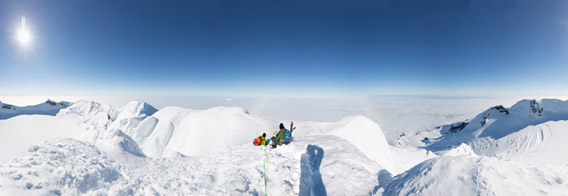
287, 136
256, 141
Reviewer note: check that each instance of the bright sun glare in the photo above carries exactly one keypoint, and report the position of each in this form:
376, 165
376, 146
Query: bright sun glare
23, 35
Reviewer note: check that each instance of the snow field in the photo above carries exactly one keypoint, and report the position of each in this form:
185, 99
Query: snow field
137, 150
479, 175
203, 152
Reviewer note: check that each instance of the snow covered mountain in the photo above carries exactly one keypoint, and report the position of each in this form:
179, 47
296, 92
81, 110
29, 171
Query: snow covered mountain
196, 132
501, 151
462, 172
531, 130
208, 152
49, 107
139, 150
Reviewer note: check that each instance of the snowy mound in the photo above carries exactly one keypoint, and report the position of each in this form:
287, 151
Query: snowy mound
463, 149
168, 131
367, 136
505, 132
541, 144
98, 116
196, 132
59, 167
107, 126
138, 150
48, 108
312, 164
470, 175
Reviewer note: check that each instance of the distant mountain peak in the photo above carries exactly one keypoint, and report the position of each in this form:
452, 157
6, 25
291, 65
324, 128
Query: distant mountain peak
49, 107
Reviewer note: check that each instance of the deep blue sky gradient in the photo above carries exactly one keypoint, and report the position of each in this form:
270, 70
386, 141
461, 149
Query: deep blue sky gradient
449, 47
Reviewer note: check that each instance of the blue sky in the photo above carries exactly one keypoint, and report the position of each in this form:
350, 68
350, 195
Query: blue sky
445, 47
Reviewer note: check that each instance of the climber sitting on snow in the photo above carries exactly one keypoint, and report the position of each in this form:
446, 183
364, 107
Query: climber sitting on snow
279, 138
260, 140
288, 134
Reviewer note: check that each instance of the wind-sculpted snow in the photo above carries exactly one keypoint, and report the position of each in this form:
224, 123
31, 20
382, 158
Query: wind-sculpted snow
196, 132
108, 127
479, 175
60, 167
71, 167
48, 108
541, 144
97, 117
502, 124
138, 150
367, 136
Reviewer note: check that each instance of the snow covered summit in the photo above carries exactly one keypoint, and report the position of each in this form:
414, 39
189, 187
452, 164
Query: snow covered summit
531, 130
136, 149
139, 150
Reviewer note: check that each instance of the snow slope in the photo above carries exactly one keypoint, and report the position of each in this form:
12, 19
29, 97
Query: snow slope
20, 132
531, 130
498, 121
174, 130
464, 173
59, 167
138, 150
197, 132
312, 164
49, 107
541, 144
337, 158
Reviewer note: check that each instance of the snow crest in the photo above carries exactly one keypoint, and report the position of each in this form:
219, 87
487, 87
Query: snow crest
365, 135
61, 167
197, 132
479, 175
108, 127
138, 150
526, 129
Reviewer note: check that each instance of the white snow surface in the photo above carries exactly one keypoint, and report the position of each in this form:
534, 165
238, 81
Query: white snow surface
533, 131
137, 150
541, 144
463, 149
20, 132
197, 132
197, 152
479, 175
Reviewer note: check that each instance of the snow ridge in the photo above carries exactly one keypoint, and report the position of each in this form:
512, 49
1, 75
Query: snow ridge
498, 122
138, 150
49, 107
108, 127
479, 175
61, 167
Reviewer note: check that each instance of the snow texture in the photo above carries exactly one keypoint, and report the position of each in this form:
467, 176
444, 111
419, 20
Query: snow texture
139, 150
479, 175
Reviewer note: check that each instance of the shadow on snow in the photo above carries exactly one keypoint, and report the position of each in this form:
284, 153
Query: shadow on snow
310, 179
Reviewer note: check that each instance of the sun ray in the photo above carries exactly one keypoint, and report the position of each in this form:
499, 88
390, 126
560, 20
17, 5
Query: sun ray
23, 35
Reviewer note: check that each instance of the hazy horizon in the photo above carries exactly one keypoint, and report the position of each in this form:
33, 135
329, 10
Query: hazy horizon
394, 114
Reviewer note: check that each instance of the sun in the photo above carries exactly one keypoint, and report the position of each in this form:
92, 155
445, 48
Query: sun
23, 35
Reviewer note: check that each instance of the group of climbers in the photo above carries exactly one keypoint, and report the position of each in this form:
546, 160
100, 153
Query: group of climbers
284, 136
